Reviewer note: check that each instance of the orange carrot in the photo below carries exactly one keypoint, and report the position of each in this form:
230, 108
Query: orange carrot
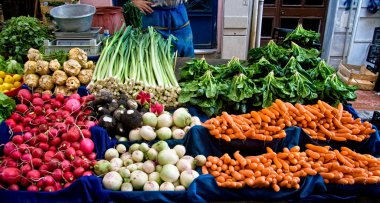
256, 116
240, 159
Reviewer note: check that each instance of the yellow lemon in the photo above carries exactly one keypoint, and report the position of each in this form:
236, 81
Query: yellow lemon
1, 81
16, 77
2, 74
17, 84
8, 79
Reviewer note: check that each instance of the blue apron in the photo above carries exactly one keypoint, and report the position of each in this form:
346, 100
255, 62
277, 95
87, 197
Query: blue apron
172, 21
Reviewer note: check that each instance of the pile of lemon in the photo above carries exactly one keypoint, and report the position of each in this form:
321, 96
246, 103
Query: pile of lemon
9, 82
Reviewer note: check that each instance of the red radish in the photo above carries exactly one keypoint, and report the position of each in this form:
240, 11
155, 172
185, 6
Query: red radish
36, 95
89, 124
11, 175
24, 182
40, 184
38, 110
42, 138
53, 164
34, 131
61, 127
86, 133
16, 117
25, 169
78, 172
33, 141
66, 185
58, 186
60, 97
49, 189
23, 148
65, 165
24, 96
56, 104
80, 122
27, 121
32, 188
9, 147
34, 175
27, 129
86, 164
11, 163
87, 173
37, 102
55, 141
70, 120
65, 114
75, 96
57, 174
48, 156
46, 97
14, 187
11, 123
27, 136
77, 162
60, 156
48, 180
68, 176
87, 145
15, 155
64, 145
53, 149
17, 139
44, 146
91, 156
72, 105
22, 108
43, 128
73, 134
79, 153
49, 111
48, 107
53, 132
36, 162
31, 115
44, 169
18, 129
65, 137
75, 145
26, 157
70, 153
37, 153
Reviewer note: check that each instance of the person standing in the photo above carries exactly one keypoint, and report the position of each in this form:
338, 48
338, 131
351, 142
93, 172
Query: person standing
169, 17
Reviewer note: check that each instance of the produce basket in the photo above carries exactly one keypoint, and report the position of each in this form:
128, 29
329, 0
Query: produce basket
92, 47
357, 75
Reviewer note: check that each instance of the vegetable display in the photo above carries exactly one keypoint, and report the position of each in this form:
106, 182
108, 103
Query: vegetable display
52, 77
321, 121
284, 169
155, 168
7, 105
295, 75
51, 145
136, 60
20, 34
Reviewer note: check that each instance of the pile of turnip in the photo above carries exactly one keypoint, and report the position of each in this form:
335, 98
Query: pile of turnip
155, 168
51, 146
165, 126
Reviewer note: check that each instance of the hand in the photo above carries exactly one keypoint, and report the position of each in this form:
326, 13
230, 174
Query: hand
143, 6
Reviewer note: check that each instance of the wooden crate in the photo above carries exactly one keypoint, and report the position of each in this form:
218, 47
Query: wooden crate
357, 75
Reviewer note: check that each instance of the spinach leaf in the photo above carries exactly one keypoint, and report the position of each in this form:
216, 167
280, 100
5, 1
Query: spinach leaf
302, 37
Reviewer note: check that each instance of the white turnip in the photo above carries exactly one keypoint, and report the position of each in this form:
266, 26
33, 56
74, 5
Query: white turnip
169, 173
164, 120
167, 156
111, 153
178, 134
121, 148
187, 177
138, 179
167, 186
137, 156
148, 166
180, 150
147, 133
150, 119
151, 186
164, 133
112, 180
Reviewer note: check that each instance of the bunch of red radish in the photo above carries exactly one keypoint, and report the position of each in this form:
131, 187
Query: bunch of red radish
51, 144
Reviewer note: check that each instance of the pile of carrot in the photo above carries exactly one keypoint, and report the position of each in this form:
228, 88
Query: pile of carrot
321, 121
284, 169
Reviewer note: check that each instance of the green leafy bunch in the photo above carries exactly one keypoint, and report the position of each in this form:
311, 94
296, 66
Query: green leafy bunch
20, 34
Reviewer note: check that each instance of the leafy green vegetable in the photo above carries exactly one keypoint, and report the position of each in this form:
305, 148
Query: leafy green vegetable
194, 69
302, 37
10, 66
273, 86
20, 34
132, 15
272, 52
7, 105
307, 57
321, 71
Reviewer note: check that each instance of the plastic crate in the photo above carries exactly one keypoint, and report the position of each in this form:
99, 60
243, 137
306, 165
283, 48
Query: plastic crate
92, 47
373, 53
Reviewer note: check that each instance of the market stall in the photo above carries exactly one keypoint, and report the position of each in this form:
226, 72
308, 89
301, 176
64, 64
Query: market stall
131, 126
